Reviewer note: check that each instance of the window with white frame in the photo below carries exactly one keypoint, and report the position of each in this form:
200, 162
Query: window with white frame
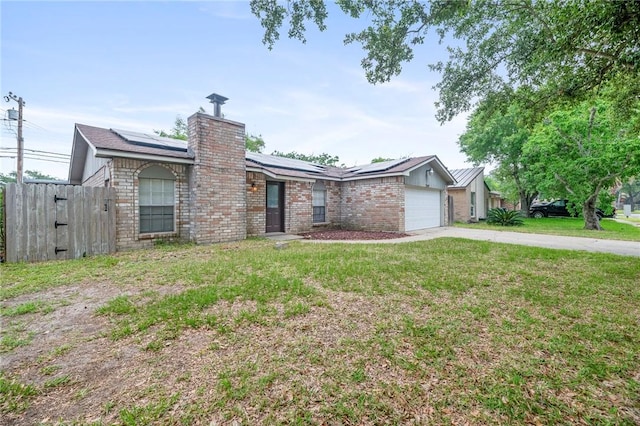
156, 190
473, 204
319, 201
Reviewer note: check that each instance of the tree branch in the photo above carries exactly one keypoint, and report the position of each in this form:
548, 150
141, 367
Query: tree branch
592, 118
565, 183
567, 136
533, 12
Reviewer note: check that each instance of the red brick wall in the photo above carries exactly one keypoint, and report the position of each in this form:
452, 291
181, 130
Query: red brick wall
461, 204
218, 195
373, 204
124, 179
333, 205
298, 209
256, 204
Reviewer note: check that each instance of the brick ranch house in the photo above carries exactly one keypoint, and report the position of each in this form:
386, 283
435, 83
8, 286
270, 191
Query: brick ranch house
209, 189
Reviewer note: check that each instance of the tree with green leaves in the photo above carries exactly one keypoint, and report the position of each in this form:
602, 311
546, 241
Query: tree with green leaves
498, 138
580, 152
630, 190
180, 131
253, 143
381, 160
323, 159
506, 185
11, 177
552, 51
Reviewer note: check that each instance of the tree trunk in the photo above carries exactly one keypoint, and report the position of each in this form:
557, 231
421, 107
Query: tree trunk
591, 220
525, 202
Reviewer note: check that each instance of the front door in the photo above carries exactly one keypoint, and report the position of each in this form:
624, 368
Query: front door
275, 207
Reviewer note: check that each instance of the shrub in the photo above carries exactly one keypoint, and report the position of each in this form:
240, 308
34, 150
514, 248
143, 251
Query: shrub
504, 217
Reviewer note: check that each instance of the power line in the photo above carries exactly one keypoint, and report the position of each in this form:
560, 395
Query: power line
43, 156
35, 150
33, 125
56, 157
35, 158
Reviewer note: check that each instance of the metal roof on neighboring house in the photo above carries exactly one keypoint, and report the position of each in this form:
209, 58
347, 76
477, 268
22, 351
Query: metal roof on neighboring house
465, 176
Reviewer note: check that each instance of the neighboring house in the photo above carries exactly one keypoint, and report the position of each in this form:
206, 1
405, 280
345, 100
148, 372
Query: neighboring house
470, 195
209, 189
496, 200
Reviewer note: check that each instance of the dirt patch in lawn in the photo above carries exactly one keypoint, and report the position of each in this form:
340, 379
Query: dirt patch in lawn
345, 235
84, 376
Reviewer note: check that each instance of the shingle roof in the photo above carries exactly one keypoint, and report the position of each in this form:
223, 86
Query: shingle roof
112, 142
107, 139
465, 176
394, 166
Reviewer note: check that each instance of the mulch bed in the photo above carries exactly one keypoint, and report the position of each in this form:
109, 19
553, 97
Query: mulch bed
340, 234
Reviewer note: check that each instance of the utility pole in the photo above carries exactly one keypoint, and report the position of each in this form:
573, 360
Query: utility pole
20, 102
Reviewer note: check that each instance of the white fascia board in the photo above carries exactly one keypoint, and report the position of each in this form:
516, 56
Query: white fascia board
135, 156
93, 148
79, 154
443, 168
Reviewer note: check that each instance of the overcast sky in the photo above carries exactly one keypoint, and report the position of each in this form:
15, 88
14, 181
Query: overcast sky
138, 65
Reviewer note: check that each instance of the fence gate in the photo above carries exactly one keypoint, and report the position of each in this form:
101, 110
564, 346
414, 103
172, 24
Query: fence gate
450, 212
47, 222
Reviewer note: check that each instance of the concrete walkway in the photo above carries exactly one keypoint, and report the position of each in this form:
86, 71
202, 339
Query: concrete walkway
626, 248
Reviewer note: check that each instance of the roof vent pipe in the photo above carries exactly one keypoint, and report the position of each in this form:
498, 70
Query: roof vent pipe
217, 101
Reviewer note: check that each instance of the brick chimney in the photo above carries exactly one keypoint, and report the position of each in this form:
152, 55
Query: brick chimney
217, 193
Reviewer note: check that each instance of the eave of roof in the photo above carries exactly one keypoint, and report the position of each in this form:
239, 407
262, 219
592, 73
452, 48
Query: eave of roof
106, 140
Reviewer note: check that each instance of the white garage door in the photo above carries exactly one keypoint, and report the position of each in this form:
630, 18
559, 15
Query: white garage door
421, 209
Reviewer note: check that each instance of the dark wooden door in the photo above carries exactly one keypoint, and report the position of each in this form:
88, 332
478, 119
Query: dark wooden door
275, 207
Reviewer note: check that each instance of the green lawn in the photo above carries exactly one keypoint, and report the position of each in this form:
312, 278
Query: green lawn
572, 227
434, 332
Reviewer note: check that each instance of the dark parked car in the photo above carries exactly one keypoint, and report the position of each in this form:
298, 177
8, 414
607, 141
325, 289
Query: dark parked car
559, 208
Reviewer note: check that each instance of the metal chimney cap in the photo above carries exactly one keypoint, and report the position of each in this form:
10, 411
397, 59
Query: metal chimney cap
214, 98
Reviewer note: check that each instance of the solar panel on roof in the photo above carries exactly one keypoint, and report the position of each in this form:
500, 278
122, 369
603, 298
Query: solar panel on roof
152, 140
284, 163
379, 167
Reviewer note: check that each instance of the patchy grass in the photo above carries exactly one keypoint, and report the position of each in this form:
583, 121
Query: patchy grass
14, 334
14, 396
447, 331
567, 226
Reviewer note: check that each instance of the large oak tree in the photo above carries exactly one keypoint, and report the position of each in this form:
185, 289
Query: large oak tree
579, 152
557, 49
499, 138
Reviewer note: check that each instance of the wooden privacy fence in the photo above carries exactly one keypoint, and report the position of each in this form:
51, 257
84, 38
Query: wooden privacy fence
47, 222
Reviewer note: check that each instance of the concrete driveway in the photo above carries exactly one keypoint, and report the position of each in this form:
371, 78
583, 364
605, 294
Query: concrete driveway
626, 248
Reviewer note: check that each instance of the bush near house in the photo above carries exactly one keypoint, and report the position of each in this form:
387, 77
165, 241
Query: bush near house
503, 217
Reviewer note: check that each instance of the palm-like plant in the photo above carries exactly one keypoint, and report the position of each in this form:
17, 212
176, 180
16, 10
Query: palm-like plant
504, 217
